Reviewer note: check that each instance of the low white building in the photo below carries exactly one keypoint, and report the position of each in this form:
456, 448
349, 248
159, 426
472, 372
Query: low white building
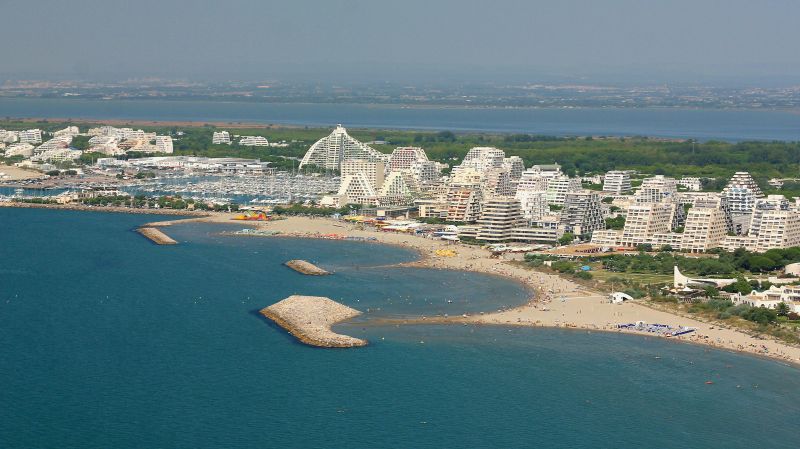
33, 136
221, 138
254, 141
164, 144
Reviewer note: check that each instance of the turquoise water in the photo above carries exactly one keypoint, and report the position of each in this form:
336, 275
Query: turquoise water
107, 340
703, 124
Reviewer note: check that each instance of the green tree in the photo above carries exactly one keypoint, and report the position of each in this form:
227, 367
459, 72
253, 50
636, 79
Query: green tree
782, 309
566, 239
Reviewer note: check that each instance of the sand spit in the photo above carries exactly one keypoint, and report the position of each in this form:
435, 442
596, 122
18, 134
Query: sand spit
305, 267
309, 319
158, 237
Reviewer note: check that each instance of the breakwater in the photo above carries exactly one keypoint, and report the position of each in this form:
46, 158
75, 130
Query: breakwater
309, 319
115, 209
156, 236
305, 267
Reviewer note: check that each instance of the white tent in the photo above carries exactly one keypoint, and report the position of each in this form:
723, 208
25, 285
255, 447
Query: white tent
619, 297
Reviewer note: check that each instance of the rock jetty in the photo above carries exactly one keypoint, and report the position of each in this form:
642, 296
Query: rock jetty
309, 319
305, 267
156, 236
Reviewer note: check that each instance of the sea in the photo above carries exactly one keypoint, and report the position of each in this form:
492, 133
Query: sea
110, 341
701, 124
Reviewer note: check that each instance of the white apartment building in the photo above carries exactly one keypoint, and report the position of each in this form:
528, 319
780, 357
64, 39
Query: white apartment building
538, 177
617, 182
164, 144
330, 151
705, 229
253, 141
19, 149
69, 131
559, 187
403, 158
582, 213
398, 189
533, 204
57, 155
515, 166
32, 136
356, 189
656, 189
482, 159
54, 144
778, 229
691, 183
464, 202
221, 138
643, 220
742, 193
8, 136
374, 171
497, 182
500, 215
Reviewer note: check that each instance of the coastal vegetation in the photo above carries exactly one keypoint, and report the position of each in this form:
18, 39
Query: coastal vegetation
714, 160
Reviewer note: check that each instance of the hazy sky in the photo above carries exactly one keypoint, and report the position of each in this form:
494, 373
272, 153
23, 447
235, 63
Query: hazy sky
647, 40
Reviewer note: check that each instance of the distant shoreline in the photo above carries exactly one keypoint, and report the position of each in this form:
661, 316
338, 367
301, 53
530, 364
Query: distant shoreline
655, 122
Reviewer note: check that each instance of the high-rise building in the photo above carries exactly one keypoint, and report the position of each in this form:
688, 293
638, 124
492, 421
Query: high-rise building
533, 204
483, 158
538, 176
463, 202
742, 193
403, 158
375, 171
582, 212
558, 187
500, 215
515, 167
617, 182
656, 189
332, 150
398, 189
643, 220
705, 229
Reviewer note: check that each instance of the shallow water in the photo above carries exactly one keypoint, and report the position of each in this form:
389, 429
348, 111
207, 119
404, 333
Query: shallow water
107, 340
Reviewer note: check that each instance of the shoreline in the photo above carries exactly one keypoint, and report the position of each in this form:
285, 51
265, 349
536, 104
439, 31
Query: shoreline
556, 303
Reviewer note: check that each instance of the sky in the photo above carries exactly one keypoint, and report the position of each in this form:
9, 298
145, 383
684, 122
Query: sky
414, 40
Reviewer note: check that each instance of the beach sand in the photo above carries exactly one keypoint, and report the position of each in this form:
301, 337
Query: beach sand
12, 173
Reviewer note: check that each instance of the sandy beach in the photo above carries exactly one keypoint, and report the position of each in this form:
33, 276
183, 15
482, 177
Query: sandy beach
555, 301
